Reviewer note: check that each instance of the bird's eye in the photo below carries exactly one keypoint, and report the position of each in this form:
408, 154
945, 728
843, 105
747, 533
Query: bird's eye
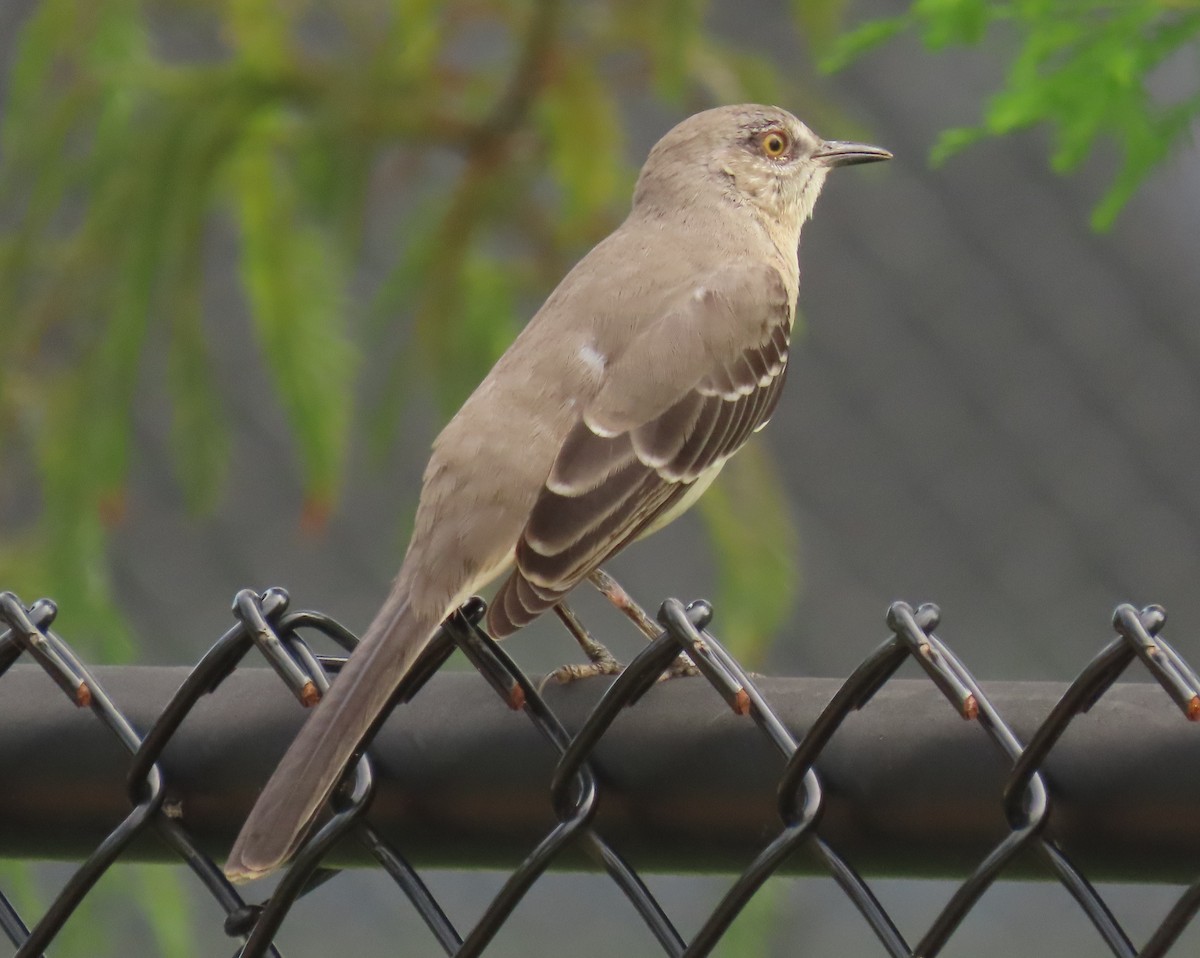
775, 143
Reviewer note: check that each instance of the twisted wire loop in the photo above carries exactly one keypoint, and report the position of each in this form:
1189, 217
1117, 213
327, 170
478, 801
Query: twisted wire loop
265, 622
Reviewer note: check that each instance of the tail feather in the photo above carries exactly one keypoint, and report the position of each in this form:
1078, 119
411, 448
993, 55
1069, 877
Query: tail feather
316, 759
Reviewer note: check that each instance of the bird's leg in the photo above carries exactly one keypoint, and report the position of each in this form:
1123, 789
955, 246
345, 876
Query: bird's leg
595, 651
600, 660
612, 590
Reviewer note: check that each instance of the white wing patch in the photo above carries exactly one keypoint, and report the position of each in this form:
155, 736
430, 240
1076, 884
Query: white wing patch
592, 358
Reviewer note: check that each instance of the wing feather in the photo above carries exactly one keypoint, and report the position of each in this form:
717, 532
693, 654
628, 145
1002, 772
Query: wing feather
558, 520
657, 442
710, 427
586, 460
682, 398
589, 548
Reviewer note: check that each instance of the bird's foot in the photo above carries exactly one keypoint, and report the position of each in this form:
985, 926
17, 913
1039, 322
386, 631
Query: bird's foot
600, 660
567, 674
682, 667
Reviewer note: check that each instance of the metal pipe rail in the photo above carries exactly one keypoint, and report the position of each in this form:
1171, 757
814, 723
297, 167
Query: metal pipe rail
686, 785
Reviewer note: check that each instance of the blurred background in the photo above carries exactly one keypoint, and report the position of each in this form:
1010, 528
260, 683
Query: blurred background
253, 253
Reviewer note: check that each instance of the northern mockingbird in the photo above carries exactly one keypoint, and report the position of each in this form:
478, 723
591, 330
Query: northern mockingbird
615, 408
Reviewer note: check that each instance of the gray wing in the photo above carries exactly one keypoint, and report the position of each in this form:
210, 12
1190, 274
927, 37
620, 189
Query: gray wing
683, 398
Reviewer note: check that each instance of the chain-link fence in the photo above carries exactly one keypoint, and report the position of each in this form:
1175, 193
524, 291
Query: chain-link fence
791, 805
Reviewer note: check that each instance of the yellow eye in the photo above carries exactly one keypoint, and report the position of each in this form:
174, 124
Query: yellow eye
775, 143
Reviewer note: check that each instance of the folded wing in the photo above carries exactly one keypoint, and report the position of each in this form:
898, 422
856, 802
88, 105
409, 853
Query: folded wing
672, 408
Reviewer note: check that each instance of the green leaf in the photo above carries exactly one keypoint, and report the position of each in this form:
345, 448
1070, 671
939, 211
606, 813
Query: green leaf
1144, 152
484, 303
69, 556
850, 46
489, 322
165, 906
293, 276
756, 929
18, 883
416, 38
1015, 108
818, 21
671, 31
260, 32
333, 168
948, 22
1083, 68
199, 432
52, 34
750, 522
453, 359
393, 306
953, 141
579, 121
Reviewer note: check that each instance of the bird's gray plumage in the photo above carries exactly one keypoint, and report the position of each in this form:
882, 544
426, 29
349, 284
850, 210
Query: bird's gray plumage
651, 363
643, 440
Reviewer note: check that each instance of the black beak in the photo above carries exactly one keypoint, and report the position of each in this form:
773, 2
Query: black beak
838, 153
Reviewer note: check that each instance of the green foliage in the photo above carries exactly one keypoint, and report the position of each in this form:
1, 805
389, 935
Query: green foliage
29, 886
581, 128
1085, 67
293, 278
165, 907
757, 925
19, 886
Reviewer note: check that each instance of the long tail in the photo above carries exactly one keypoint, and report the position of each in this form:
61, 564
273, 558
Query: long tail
314, 762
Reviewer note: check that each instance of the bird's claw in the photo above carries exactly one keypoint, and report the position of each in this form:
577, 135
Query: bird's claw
567, 674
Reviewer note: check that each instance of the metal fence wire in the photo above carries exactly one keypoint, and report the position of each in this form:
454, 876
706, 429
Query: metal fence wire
265, 621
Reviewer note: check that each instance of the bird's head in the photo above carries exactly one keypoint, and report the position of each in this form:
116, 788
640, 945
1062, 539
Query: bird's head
758, 156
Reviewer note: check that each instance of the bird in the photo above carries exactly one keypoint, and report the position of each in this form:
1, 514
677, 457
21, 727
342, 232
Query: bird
657, 356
